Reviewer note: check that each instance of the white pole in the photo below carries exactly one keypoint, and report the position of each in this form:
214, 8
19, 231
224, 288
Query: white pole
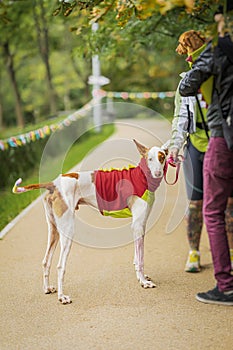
97, 113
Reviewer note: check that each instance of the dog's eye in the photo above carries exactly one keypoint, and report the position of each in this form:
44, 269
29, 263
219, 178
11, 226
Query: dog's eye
150, 159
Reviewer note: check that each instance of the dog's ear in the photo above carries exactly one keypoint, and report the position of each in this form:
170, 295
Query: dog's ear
190, 41
193, 40
143, 150
165, 147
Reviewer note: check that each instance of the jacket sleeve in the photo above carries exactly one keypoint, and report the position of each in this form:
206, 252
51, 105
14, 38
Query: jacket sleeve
181, 120
226, 45
179, 132
201, 70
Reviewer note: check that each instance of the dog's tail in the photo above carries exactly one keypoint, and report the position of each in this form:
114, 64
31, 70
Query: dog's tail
19, 189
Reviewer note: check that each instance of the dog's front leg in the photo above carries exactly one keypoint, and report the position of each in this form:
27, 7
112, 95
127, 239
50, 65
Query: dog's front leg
140, 211
139, 263
139, 258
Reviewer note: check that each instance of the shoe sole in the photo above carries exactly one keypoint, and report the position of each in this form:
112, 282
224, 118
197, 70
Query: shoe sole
193, 270
216, 302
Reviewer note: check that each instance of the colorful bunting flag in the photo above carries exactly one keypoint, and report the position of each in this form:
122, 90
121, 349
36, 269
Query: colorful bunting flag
32, 136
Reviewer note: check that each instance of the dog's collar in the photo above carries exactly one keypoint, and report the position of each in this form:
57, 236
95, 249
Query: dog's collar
192, 57
152, 183
189, 59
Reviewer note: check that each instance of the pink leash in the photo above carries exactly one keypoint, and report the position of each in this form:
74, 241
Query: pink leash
170, 161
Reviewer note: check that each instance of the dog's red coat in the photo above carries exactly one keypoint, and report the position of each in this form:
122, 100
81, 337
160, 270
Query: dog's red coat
113, 187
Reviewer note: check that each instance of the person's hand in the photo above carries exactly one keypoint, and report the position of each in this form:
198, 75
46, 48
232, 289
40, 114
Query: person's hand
219, 18
173, 152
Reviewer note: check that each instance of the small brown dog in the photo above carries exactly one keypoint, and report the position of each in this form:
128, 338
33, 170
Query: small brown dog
189, 42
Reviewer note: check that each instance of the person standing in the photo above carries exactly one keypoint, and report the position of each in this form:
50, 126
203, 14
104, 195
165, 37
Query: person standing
188, 129
216, 60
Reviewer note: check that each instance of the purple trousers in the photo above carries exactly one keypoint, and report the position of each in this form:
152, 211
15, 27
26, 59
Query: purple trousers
218, 185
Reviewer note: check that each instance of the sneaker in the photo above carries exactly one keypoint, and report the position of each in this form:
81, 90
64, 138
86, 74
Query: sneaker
193, 262
214, 296
231, 256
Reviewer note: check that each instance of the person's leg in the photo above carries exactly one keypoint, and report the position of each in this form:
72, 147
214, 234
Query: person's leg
218, 184
194, 220
229, 226
193, 166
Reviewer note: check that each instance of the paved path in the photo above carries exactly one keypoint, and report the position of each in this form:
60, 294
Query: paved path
110, 310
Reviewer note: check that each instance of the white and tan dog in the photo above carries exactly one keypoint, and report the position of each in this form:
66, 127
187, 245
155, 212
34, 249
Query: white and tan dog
132, 195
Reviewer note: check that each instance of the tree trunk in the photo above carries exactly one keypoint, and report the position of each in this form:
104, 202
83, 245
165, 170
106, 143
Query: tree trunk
1, 116
43, 43
82, 77
9, 60
1, 113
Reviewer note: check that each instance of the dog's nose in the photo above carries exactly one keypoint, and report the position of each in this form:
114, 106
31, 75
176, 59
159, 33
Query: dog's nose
158, 173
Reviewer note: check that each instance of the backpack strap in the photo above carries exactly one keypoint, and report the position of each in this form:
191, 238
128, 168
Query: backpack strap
202, 118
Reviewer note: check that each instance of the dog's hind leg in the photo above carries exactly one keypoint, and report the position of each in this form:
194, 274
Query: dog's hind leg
53, 238
65, 243
140, 211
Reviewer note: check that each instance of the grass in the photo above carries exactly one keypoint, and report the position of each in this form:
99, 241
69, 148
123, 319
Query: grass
11, 205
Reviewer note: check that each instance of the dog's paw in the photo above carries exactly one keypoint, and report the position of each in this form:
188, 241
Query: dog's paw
65, 299
146, 282
50, 290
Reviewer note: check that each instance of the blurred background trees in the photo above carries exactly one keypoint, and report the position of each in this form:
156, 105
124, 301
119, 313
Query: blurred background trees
46, 48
